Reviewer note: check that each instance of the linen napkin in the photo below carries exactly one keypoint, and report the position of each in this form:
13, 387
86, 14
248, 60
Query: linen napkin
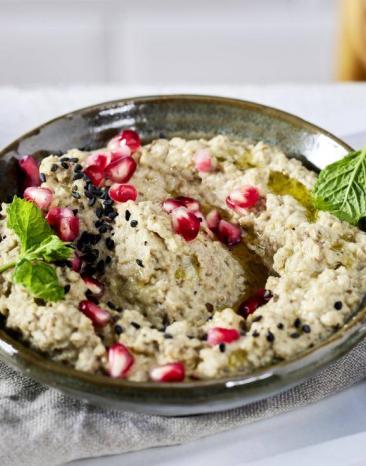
41, 426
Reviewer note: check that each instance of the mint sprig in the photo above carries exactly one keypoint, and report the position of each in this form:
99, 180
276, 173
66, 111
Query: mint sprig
38, 247
341, 188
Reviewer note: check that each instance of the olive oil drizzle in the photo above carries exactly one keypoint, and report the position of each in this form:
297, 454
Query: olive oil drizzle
282, 185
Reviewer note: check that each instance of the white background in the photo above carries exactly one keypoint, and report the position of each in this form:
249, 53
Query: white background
159, 42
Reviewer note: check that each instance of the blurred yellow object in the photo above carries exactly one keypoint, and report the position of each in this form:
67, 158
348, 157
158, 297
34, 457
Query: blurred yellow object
352, 47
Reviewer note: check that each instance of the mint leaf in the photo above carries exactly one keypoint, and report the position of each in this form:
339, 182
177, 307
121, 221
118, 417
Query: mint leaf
39, 279
341, 188
28, 223
38, 246
51, 249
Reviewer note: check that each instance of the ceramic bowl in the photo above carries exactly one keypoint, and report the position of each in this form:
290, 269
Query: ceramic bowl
190, 117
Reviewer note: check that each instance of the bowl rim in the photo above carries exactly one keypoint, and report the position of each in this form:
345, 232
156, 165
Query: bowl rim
301, 366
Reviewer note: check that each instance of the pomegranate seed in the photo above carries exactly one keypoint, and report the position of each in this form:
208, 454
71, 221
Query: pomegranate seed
120, 361
170, 204
30, 167
213, 219
251, 304
228, 233
64, 222
171, 372
242, 198
68, 229
217, 335
42, 197
188, 202
95, 174
99, 160
119, 147
100, 317
203, 161
180, 201
132, 139
56, 213
121, 169
76, 263
122, 192
94, 286
185, 223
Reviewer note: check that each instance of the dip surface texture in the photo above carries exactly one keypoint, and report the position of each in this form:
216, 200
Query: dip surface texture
215, 304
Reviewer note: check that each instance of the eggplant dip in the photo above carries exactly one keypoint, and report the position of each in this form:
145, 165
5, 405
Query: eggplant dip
180, 259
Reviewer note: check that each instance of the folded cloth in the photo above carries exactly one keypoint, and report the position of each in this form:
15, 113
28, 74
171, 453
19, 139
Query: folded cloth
40, 426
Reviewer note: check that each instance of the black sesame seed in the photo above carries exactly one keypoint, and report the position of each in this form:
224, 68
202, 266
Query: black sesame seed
108, 260
297, 323
75, 211
91, 201
74, 160
76, 195
280, 326
78, 167
67, 288
111, 305
118, 329
103, 228
64, 159
294, 335
75, 188
94, 239
89, 294
89, 269
54, 167
338, 305
85, 237
134, 223
91, 256
306, 328
61, 263
99, 212
101, 266
98, 223
168, 336
222, 347
108, 209
89, 195
127, 215
65, 165
42, 177
270, 337
110, 244
139, 263
255, 334
136, 325
112, 215
257, 318
77, 176
107, 202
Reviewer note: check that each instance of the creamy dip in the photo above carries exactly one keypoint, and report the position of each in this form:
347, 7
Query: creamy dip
241, 275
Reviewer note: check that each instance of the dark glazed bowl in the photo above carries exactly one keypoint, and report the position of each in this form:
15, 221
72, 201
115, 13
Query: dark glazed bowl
190, 117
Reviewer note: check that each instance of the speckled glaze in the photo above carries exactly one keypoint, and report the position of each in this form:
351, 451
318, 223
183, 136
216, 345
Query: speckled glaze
189, 117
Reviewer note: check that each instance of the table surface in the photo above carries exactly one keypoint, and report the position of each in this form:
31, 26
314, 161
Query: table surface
330, 432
